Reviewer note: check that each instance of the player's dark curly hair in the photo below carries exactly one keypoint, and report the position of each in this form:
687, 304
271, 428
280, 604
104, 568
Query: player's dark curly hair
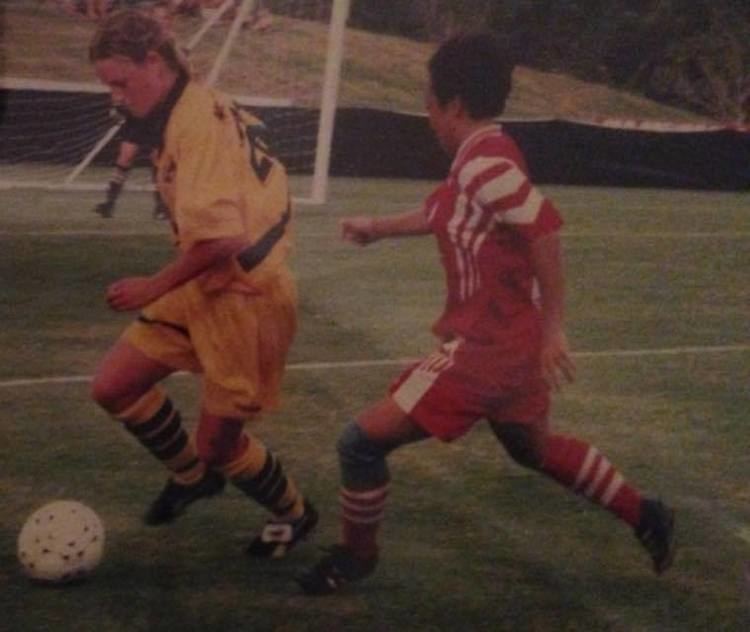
133, 34
477, 68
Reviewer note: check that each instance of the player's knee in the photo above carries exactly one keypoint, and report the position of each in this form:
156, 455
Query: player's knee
363, 461
520, 443
105, 393
99, 393
219, 442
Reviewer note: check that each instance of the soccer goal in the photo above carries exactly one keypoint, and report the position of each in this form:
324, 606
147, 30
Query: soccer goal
284, 66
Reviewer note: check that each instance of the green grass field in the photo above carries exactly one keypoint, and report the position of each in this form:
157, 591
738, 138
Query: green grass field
658, 316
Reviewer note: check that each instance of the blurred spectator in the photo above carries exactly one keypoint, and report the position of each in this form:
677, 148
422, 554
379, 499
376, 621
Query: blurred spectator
92, 9
190, 8
163, 12
98, 9
259, 19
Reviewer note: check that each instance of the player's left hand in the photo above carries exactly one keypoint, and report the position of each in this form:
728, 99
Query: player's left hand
131, 293
557, 363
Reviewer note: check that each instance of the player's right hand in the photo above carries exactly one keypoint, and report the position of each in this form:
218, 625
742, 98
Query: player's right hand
558, 366
358, 230
131, 293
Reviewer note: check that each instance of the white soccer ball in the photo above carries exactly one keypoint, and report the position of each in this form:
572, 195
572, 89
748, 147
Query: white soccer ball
61, 542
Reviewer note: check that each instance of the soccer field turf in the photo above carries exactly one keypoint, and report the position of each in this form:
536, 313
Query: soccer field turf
658, 298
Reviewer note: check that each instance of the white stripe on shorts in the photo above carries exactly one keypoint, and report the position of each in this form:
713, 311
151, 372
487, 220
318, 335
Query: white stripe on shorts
408, 394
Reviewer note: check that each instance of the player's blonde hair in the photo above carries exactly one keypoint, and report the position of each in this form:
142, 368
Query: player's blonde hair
133, 34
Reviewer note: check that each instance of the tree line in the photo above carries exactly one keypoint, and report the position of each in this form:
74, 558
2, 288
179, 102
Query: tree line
693, 54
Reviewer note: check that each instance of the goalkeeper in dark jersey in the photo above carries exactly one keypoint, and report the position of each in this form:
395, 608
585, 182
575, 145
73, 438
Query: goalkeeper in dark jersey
134, 140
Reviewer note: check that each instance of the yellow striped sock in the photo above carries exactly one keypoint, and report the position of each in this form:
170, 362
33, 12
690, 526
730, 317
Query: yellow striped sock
258, 473
157, 425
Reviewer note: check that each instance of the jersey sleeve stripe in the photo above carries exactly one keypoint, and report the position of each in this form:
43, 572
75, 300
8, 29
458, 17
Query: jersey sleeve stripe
501, 185
525, 213
480, 171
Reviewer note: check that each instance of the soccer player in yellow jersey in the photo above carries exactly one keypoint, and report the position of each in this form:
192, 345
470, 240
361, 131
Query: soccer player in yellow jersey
223, 308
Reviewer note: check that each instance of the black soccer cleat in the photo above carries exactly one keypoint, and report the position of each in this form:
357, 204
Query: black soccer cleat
278, 538
175, 498
656, 533
105, 209
340, 566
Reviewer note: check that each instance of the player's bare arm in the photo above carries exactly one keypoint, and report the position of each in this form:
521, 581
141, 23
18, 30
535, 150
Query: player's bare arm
363, 230
557, 364
136, 292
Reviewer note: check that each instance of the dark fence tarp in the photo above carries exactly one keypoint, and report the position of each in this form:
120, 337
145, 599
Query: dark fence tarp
388, 144
575, 153
378, 143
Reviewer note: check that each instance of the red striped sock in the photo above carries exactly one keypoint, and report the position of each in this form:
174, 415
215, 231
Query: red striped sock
361, 516
584, 470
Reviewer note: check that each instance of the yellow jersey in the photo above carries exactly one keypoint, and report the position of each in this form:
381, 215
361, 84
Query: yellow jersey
218, 178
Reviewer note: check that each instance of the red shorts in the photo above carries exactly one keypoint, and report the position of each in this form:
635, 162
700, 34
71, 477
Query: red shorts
463, 382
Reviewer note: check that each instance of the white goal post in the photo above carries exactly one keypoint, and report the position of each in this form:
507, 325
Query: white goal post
60, 134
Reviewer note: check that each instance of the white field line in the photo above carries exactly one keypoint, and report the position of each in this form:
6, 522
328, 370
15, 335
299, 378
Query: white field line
81, 233
354, 364
721, 234
635, 353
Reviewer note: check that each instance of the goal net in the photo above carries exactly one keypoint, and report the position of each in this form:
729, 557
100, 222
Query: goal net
281, 59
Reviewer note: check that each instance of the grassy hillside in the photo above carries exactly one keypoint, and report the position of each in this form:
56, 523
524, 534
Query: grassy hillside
40, 41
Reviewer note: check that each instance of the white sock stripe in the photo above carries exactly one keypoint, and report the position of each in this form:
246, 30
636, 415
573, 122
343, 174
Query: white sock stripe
362, 509
602, 469
364, 497
614, 486
356, 519
588, 462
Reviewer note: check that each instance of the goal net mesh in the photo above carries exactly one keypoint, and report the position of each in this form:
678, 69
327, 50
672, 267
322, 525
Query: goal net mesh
57, 129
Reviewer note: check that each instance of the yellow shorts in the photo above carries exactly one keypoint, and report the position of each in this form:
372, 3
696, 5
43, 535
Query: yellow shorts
237, 340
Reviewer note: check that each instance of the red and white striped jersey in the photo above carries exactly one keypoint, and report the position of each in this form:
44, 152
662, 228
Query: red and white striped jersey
485, 216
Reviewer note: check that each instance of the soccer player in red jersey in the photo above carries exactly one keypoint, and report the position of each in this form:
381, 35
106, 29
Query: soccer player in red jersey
502, 344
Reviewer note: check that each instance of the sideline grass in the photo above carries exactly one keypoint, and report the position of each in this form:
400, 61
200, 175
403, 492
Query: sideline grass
471, 541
